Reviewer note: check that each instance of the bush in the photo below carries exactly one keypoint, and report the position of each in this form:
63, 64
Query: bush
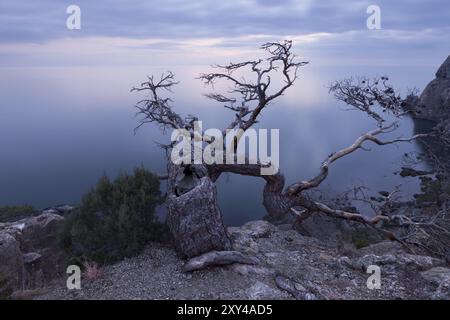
116, 219
15, 213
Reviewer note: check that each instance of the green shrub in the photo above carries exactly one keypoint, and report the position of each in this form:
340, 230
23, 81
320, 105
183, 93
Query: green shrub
14, 213
361, 243
116, 219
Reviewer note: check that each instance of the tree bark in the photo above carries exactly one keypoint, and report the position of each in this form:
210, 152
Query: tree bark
194, 218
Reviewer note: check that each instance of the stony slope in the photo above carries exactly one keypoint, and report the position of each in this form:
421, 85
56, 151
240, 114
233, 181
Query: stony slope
291, 266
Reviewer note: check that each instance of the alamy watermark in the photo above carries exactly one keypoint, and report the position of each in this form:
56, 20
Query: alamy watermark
74, 278
236, 146
73, 21
373, 22
374, 281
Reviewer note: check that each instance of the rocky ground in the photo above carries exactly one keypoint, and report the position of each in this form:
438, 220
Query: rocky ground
29, 252
289, 266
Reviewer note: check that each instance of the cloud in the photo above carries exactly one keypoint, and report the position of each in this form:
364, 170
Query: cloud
355, 47
26, 21
205, 31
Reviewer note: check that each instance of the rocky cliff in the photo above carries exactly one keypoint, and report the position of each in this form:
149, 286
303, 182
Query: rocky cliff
434, 102
29, 253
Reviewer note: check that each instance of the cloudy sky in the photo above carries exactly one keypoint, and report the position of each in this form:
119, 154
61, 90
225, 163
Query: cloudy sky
157, 32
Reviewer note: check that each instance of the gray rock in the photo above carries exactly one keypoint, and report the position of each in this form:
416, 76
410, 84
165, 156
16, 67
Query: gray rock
436, 275
258, 229
11, 264
261, 291
439, 276
434, 102
31, 257
30, 254
62, 210
245, 270
244, 237
397, 261
310, 269
297, 290
444, 70
382, 248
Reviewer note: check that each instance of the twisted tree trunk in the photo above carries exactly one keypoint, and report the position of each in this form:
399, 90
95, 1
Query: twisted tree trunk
194, 217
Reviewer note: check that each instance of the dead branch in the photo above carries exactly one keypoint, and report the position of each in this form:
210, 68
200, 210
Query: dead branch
358, 144
154, 108
366, 95
254, 96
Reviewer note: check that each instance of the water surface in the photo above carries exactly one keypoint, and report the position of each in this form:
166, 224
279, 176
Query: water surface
61, 128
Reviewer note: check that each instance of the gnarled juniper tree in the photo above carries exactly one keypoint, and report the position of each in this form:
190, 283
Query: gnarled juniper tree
194, 217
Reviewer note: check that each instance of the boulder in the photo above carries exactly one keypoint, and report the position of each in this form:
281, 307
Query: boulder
261, 291
440, 277
31, 257
437, 275
40, 235
243, 238
62, 210
29, 252
40, 231
11, 265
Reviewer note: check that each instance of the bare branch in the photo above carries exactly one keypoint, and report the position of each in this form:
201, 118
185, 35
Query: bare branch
369, 136
254, 96
157, 109
367, 95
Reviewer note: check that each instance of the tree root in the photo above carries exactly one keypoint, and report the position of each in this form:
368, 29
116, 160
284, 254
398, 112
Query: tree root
294, 288
217, 258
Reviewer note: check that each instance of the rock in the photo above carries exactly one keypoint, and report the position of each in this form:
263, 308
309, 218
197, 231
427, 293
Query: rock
410, 172
244, 244
40, 235
215, 258
297, 290
397, 261
329, 230
27, 294
434, 102
382, 248
11, 264
30, 254
61, 210
41, 231
245, 269
31, 257
444, 70
243, 238
440, 277
436, 275
261, 291
258, 229
304, 268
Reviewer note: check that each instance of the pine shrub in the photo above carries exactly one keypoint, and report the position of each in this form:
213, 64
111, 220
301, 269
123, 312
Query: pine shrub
116, 218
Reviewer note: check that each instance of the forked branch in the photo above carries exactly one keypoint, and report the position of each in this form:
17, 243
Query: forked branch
254, 95
358, 144
155, 108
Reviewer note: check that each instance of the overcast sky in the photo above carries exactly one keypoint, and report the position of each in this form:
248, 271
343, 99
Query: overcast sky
119, 32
